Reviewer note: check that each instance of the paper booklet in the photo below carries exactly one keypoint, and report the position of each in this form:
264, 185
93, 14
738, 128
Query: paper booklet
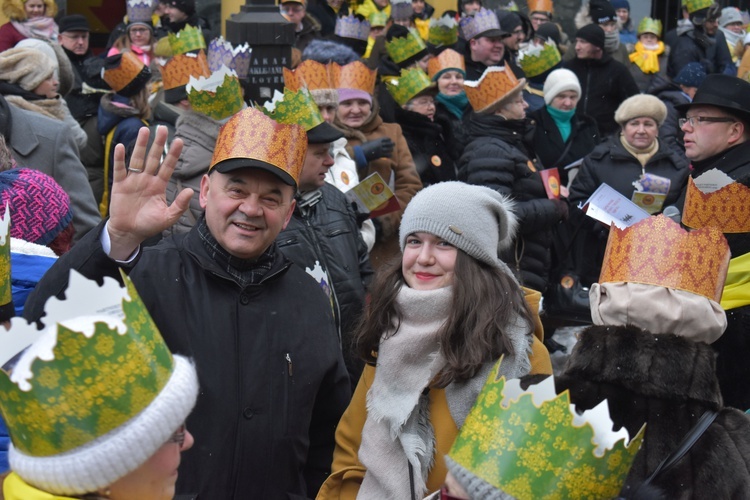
610, 207
373, 196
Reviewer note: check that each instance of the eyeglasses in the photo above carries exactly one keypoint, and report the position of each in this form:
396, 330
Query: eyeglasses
696, 120
178, 436
139, 30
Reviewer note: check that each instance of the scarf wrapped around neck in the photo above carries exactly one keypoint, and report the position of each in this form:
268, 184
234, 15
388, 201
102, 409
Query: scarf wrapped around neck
647, 59
43, 28
455, 104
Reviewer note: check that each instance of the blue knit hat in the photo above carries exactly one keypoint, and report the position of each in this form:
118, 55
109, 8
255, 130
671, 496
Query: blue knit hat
691, 75
620, 4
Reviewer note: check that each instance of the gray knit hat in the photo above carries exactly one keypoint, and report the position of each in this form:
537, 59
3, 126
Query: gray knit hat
473, 485
475, 219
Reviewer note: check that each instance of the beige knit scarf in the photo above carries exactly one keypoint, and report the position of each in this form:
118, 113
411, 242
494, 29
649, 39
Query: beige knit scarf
51, 108
642, 155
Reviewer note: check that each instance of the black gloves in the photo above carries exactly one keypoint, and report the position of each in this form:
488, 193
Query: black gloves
378, 148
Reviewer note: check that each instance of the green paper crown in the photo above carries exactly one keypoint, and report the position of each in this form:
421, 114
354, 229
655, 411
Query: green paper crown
693, 5
6, 296
648, 25
217, 96
540, 451
102, 372
188, 39
411, 83
443, 31
535, 62
377, 19
294, 108
402, 48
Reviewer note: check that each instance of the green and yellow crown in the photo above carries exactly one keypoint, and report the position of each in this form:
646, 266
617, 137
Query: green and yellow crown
443, 31
6, 296
649, 25
218, 96
539, 58
294, 108
378, 19
84, 376
694, 5
186, 40
534, 445
402, 48
409, 85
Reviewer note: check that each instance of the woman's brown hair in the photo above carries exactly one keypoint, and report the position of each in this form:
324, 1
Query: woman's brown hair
485, 301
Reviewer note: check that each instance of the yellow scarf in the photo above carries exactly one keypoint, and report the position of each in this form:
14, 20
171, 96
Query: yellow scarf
737, 286
647, 59
16, 488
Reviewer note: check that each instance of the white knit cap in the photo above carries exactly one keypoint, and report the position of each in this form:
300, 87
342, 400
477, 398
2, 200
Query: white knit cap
730, 15
559, 81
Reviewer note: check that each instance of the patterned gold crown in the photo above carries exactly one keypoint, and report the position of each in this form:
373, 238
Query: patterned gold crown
657, 251
533, 444
355, 75
409, 85
694, 5
649, 25
125, 73
6, 293
727, 209
252, 135
541, 6
64, 388
483, 20
188, 39
221, 52
447, 59
402, 48
139, 11
351, 27
377, 19
180, 68
217, 96
294, 107
310, 74
539, 58
443, 31
495, 86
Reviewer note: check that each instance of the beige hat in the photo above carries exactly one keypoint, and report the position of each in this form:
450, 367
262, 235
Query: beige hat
25, 67
641, 105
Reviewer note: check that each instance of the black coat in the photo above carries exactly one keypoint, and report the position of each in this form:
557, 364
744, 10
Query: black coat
497, 157
273, 382
666, 382
87, 69
459, 126
711, 52
670, 132
327, 16
431, 145
605, 83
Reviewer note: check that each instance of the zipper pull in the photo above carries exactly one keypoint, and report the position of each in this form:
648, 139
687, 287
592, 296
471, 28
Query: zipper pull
289, 364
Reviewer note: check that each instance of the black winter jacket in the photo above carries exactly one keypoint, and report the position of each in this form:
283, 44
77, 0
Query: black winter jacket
711, 52
458, 126
670, 132
497, 158
326, 16
431, 145
605, 83
87, 69
273, 382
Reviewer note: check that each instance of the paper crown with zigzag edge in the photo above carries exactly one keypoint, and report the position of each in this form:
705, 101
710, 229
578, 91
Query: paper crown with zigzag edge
657, 251
139, 11
694, 5
541, 6
188, 39
443, 31
448, 59
534, 445
482, 21
377, 19
179, 69
412, 83
726, 208
221, 52
351, 27
497, 84
401, 9
403, 47
537, 59
293, 107
649, 25
125, 73
6, 292
355, 75
217, 96
309, 74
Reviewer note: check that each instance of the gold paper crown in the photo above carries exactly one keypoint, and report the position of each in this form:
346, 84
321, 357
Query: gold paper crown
6, 294
443, 31
403, 47
648, 25
727, 209
178, 70
538, 59
355, 75
377, 19
447, 59
694, 5
533, 445
310, 74
409, 85
657, 251
294, 107
540, 6
127, 75
495, 86
217, 96
252, 135
187, 39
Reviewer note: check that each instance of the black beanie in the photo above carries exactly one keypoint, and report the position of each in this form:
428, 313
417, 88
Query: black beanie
186, 6
601, 11
508, 20
592, 33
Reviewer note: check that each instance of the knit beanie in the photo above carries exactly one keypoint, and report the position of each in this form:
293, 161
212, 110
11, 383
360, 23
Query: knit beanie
691, 75
620, 4
25, 67
473, 485
547, 31
349, 94
186, 6
508, 20
601, 11
730, 15
475, 219
559, 81
641, 105
592, 33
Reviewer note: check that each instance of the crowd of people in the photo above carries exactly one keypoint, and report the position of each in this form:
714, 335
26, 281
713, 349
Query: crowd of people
177, 257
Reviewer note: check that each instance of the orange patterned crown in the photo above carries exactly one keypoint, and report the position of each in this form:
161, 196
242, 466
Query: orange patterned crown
541, 6
310, 74
178, 70
354, 75
251, 135
657, 251
497, 84
727, 209
448, 59
125, 74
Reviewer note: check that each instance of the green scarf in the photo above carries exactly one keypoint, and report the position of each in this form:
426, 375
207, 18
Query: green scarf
456, 104
562, 120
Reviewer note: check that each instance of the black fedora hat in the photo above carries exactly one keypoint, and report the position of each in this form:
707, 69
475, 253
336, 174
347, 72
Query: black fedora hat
729, 93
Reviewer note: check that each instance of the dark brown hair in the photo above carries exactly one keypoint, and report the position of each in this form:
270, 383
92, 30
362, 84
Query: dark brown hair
485, 300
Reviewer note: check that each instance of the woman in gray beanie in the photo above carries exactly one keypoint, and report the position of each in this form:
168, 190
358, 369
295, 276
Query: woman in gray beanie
441, 315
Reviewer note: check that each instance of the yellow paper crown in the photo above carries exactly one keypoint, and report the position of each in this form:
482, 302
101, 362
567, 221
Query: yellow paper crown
538, 59
309, 74
541, 6
404, 47
443, 31
657, 251
409, 85
294, 107
495, 86
178, 70
694, 5
727, 209
648, 25
6, 295
217, 96
252, 135
187, 39
355, 75
447, 59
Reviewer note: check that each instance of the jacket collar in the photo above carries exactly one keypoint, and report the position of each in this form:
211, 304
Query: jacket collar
23, 140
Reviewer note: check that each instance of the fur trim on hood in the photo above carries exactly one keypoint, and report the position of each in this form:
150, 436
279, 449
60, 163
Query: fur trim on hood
583, 17
326, 51
14, 9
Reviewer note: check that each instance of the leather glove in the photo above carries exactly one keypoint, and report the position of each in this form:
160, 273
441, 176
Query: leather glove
378, 148
562, 208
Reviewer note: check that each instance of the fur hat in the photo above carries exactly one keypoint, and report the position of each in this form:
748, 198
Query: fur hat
14, 9
63, 66
326, 51
559, 81
592, 33
641, 105
475, 219
25, 67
